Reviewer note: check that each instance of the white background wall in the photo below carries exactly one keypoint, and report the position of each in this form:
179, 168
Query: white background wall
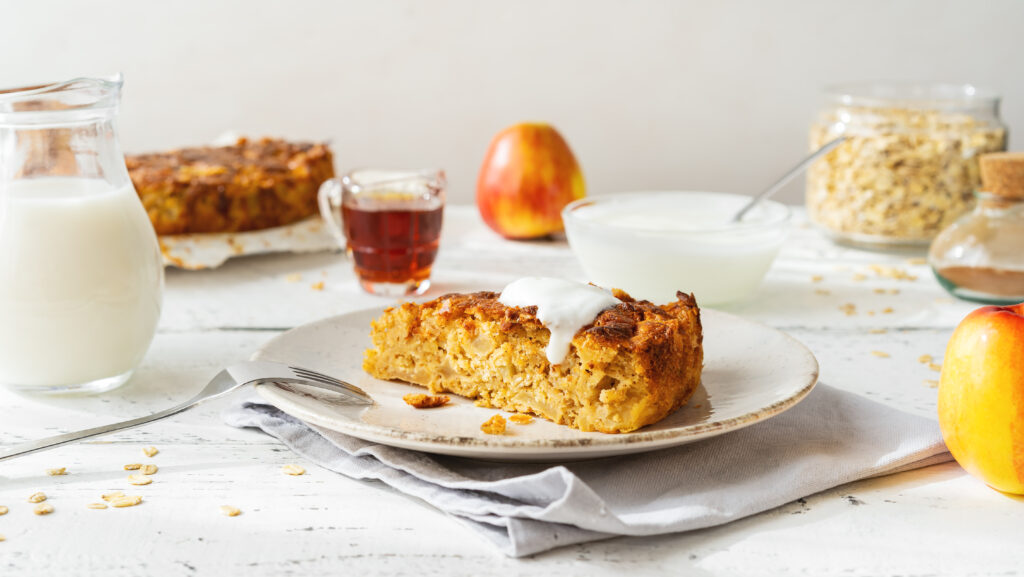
650, 94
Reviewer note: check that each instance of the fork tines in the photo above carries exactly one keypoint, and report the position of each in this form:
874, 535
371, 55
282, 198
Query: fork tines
310, 374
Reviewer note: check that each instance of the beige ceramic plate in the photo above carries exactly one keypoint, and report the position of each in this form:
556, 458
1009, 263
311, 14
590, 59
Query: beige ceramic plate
751, 372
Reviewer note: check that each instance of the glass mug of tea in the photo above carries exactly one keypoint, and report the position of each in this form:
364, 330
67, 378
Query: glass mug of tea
390, 225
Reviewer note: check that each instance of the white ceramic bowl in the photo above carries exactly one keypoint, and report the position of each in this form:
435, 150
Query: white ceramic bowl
652, 244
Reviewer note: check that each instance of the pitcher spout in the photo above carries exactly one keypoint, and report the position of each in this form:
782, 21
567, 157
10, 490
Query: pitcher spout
76, 99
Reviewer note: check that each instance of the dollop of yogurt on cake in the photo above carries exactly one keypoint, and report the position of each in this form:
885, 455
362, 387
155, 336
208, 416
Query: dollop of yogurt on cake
563, 306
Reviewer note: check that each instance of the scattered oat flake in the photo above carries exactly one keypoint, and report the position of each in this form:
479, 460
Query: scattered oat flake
849, 308
150, 451
230, 511
878, 331
37, 497
97, 505
924, 359
294, 470
892, 272
126, 501
43, 509
57, 472
421, 401
887, 310
317, 286
2, 538
931, 383
133, 466
935, 367
521, 419
882, 354
139, 480
3, 510
822, 292
817, 278
149, 469
860, 277
494, 426
111, 496
294, 277
917, 261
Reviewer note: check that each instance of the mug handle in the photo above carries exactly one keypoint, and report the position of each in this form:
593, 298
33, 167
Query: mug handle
329, 198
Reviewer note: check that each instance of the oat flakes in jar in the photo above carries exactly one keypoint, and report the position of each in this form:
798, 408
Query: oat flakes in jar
909, 166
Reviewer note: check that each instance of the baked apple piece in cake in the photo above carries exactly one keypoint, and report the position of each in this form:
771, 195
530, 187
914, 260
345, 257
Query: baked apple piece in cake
632, 365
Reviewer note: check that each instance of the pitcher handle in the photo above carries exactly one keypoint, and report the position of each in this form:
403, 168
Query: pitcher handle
329, 198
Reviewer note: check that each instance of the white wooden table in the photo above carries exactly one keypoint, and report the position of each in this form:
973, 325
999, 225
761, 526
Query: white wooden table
935, 521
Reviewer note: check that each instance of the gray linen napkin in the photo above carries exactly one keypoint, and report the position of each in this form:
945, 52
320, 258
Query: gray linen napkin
830, 438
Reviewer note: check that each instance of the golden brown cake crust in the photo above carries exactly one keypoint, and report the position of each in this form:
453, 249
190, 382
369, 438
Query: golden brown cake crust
636, 363
250, 185
631, 324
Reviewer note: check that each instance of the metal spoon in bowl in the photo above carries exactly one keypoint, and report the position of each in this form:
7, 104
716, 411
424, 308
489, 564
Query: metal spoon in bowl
768, 192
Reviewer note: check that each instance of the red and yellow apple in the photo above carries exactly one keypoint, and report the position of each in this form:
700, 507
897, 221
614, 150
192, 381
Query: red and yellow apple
527, 178
981, 396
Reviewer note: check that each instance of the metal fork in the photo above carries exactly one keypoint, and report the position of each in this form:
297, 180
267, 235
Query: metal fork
226, 381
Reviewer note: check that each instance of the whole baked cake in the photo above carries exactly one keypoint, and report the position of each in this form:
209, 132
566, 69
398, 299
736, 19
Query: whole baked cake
246, 186
636, 363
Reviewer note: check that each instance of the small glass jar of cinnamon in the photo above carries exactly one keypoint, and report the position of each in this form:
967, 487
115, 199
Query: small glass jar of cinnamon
980, 257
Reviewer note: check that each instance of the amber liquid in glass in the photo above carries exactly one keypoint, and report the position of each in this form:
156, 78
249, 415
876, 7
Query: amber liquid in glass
392, 242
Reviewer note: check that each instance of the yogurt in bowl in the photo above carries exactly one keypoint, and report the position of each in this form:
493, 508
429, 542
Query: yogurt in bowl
652, 244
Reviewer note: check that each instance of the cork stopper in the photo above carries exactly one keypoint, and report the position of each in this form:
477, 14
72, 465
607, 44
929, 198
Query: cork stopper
1002, 174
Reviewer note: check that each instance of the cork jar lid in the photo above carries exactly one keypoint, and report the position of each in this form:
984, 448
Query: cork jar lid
1002, 173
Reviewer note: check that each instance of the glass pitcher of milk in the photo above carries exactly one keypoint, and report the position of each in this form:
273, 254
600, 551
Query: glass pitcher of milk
81, 277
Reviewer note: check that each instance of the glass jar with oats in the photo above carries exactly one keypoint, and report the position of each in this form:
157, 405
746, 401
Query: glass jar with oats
909, 165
